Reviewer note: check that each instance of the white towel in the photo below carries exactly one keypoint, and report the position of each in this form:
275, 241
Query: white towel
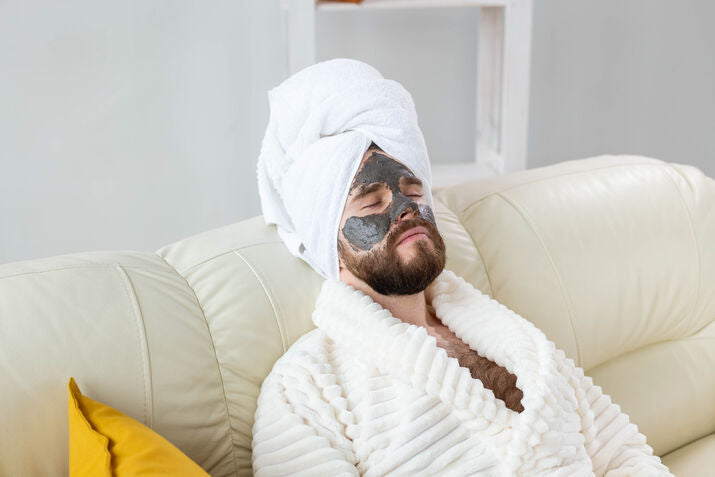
322, 120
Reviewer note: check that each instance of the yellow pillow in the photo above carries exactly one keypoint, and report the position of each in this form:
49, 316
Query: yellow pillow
103, 441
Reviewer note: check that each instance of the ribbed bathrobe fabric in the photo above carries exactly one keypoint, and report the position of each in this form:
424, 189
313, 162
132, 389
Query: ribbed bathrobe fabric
368, 394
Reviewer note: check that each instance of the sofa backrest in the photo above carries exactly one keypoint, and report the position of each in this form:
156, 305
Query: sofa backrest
613, 257
610, 256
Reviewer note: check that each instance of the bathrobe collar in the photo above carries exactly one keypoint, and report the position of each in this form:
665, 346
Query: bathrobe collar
547, 427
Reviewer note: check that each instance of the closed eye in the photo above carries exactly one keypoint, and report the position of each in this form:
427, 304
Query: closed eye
371, 205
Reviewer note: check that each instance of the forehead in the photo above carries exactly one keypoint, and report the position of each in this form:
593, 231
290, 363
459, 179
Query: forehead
378, 166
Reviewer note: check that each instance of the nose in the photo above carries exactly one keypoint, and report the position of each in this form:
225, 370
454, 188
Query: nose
405, 214
406, 209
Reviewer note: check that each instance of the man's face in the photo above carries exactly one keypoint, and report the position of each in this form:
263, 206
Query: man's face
387, 235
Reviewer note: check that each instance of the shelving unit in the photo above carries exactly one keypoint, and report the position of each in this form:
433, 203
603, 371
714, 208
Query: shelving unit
503, 61
392, 4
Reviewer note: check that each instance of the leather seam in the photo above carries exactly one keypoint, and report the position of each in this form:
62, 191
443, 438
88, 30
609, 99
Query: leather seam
692, 337
516, 186
218, 365
253, 244
569, 311
270, 300
704, 436
143, 343
695, 241
73, 267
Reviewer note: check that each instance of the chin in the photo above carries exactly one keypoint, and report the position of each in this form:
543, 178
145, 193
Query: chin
402, 269
412, 249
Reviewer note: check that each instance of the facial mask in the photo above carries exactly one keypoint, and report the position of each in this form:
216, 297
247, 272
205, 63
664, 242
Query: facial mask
364, 232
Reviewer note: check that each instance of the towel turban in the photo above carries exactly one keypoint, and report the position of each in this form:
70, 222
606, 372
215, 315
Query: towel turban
322, 120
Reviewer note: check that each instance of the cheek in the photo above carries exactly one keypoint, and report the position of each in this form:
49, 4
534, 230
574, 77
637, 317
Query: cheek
364, 232
426, 213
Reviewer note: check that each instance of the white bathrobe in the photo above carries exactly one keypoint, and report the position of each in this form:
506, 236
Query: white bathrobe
368, 394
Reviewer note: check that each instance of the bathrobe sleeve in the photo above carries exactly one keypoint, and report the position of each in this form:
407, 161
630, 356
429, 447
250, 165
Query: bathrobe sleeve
614, 444
295, 431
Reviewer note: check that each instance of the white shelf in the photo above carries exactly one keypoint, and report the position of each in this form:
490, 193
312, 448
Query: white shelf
503, 57
324, 5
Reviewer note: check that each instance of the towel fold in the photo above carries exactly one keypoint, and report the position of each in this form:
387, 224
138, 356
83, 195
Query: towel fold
322, 120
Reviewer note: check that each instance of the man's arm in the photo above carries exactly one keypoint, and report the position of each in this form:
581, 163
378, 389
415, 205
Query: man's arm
616, 447
296, 432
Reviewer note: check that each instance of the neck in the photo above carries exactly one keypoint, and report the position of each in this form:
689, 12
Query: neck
411, 309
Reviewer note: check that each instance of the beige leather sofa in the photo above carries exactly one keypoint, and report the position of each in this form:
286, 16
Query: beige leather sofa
613, 257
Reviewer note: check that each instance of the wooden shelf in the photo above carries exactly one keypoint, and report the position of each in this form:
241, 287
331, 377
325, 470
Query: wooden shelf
325, 5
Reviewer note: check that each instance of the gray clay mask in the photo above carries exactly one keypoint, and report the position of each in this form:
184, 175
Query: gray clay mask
365, 232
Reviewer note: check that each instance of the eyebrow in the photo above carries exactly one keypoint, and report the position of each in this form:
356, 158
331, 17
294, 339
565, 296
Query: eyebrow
411, 181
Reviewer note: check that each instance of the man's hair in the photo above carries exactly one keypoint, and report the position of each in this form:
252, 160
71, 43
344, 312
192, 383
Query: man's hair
373, 146
385, 272
341, 248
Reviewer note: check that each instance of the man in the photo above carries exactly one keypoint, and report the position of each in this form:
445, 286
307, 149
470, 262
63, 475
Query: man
411, 370
396, 264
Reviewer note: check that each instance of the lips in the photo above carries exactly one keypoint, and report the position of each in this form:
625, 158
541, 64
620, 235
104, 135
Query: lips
411, 232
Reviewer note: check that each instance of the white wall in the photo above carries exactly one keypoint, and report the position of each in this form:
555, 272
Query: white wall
128, 125
607, 76
613, 76
431, 52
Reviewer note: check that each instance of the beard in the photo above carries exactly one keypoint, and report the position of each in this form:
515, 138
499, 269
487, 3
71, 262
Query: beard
387, 272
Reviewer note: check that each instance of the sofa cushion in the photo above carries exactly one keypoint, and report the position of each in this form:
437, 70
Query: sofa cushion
131, 331
104, 441
257, 300
693, 460
612, 257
